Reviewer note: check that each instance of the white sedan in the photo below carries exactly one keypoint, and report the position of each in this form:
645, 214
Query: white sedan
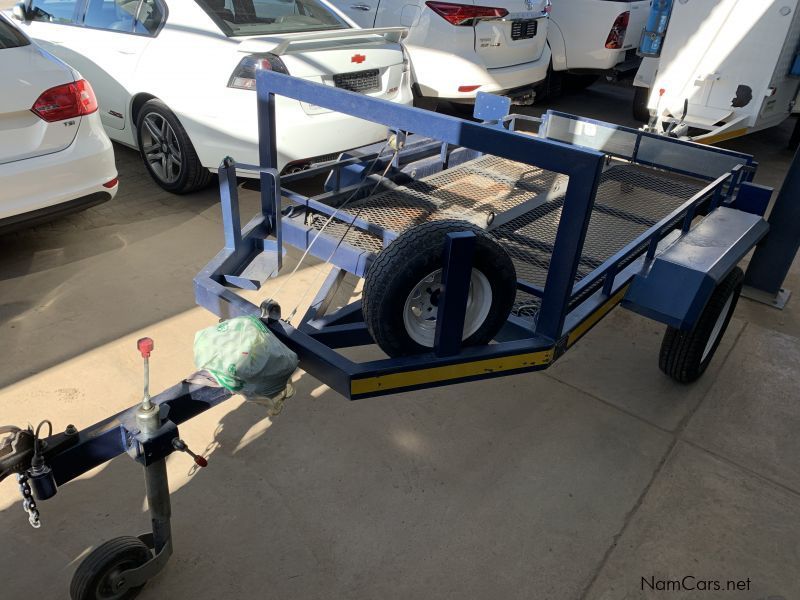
175, 78
54, 155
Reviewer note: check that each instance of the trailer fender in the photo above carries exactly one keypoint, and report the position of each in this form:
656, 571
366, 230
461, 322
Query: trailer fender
676, 285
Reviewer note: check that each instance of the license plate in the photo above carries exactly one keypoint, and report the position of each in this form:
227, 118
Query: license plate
524, 29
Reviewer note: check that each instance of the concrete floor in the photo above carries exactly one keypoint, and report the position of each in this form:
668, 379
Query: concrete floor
573, 483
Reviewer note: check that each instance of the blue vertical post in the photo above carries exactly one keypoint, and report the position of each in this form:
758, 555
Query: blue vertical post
568, 248
229, 196
459, 249
774, 256
267, 151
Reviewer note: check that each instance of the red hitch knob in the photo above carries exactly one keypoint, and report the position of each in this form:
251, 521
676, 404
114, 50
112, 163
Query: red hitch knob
145, 346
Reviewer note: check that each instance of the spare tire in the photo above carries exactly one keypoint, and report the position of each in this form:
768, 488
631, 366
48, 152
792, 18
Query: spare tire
403, 285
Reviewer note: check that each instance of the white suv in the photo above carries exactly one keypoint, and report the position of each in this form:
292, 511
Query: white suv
458, 49
176, 78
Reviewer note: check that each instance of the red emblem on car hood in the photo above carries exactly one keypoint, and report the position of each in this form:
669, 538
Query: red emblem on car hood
358, 58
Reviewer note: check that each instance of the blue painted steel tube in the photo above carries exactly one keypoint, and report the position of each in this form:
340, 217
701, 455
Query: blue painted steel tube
546, 154
567, 250
456, 275
229, 197
774, 256
115, 435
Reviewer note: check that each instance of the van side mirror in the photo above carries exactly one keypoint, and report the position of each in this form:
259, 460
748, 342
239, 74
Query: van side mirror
20, 11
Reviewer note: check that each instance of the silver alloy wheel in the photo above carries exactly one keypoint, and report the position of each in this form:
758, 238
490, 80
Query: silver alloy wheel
421, 307
161, 148
717, 327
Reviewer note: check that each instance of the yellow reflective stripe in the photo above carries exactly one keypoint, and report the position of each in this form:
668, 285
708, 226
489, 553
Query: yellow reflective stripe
721, 137
592, 320
382, 383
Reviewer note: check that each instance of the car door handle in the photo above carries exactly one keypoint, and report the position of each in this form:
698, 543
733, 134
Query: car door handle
365, 7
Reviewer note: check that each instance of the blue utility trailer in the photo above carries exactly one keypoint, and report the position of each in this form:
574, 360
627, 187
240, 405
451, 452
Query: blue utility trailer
486, 251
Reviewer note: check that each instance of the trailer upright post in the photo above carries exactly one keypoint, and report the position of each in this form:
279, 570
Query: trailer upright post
774, 256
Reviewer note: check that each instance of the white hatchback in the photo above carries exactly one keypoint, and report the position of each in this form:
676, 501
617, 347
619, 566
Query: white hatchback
458, 49
55, 157
175, 78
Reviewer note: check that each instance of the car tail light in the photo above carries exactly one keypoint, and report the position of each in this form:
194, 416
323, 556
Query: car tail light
616, 37
548, 7
244, 75
66, 102
465, 14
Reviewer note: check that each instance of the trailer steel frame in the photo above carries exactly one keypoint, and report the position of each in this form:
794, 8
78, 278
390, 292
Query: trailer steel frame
430, 143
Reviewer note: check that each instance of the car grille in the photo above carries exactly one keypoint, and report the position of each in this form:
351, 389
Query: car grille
360, 81
524, 30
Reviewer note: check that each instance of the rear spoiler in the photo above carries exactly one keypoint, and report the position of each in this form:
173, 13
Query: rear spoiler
279, 45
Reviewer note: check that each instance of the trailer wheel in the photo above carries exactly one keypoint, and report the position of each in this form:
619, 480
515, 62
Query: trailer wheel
640, 97
685, 355
403, 284
94, 578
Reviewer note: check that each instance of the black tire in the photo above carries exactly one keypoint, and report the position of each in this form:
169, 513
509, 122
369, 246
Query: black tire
552, 87
461, 110
578, 82
185, 173
682, 352
92, 578
415, 254
640, 110
426, 103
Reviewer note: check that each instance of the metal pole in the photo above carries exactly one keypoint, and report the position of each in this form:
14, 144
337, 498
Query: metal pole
774, 256
459, 248
157, 486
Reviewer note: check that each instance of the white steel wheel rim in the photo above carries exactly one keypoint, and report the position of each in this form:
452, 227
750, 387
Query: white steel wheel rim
421, 307
712, 339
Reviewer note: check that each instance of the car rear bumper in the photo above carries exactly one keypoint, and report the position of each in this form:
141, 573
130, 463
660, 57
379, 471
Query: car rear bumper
48, 213
458, 72
67, 180
605, 61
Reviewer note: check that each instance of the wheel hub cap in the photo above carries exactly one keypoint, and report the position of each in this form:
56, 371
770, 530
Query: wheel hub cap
422, 307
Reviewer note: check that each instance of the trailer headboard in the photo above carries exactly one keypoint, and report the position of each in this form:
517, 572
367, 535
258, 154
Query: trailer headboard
687, 158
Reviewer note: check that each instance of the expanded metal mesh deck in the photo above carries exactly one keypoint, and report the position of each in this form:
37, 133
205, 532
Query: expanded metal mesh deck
629, 201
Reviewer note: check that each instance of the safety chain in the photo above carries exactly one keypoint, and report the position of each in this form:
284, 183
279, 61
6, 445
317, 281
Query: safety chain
28, 503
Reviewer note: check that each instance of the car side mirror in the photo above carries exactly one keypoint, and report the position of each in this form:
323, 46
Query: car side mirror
20, 11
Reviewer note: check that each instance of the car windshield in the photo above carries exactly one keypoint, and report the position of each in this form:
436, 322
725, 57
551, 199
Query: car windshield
10, 37
262, 17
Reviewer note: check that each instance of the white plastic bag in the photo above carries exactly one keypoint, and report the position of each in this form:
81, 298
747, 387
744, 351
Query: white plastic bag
246, 358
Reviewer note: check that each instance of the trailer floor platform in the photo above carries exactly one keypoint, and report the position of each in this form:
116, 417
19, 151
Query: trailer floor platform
630, 200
